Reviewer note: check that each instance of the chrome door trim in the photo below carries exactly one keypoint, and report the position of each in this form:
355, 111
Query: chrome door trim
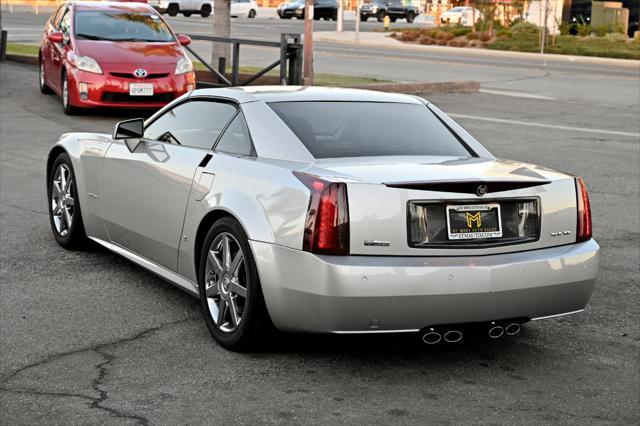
168, 275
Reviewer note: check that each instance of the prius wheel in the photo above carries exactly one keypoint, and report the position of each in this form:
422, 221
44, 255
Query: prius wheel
64, 206
380, 16
44, 89
232, 299
66, 103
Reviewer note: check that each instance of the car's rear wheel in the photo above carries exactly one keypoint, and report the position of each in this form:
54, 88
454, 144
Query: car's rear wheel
252, 13
66, 98
205, 10
186, 14
44, 89
363, 18
411, 16
230, 292
173, 9
64, 207
380, 16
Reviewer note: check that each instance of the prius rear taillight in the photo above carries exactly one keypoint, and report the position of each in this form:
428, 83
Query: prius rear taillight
326, 228
584, 212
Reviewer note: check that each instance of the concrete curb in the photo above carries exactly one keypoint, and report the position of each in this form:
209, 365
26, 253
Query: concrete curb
395, 87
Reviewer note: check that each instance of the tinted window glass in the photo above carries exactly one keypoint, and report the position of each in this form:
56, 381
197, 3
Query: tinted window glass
236, 138
121, 26
361, 129
196, 123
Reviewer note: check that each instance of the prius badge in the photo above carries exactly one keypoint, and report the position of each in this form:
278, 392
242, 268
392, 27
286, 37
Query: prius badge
140, 73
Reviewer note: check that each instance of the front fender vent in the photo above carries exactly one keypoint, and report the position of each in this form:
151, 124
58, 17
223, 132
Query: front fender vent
478, 187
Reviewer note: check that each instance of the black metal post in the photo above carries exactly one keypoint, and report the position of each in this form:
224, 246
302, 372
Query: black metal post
235, 68
3, 45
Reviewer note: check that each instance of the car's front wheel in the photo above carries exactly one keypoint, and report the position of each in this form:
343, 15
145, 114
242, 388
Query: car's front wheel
252, 13
411, 17
380, 15
205, 11
363, 18
64, 207
230, 292
66, 97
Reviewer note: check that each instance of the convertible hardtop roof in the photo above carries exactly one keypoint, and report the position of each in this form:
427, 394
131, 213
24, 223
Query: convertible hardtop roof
303, 94
112, 5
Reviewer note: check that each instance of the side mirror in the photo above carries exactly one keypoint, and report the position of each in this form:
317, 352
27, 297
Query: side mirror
184, 40
131, 131
56, 37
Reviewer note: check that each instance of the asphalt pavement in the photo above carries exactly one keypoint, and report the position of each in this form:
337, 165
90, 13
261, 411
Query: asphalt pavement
89, 338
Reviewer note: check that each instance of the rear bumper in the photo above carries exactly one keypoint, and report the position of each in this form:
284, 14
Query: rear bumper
342, 294
105, 90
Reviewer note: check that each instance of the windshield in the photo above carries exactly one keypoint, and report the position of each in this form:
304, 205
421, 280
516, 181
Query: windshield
121, 26
363, 129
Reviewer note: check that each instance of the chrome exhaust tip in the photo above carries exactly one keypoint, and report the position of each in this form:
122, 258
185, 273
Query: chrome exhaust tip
512, 329
453, 336
432, 337
496, 331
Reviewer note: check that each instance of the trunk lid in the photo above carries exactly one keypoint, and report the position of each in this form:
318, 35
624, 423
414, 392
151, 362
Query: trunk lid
383, 193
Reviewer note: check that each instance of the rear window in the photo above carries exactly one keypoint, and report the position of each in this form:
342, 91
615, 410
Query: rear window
121, 26
365, 129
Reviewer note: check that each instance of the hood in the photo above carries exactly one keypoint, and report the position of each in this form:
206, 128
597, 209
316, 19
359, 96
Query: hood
395, 170
138, 53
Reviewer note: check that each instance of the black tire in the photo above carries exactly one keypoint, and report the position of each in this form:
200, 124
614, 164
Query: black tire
393, 19
364, 18
316, 17
334, 16
380, 15
75, 237
173, 9
205, 10
255, 325
252, 13
44, 89
186, 14
411, 16
66, 104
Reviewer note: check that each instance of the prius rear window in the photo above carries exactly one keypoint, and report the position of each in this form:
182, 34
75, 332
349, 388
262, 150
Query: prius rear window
363, 129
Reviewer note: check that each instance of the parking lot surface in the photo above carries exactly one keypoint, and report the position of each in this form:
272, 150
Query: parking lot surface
87, 337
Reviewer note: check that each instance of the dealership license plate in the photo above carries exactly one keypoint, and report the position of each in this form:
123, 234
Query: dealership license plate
141, 89
474, 221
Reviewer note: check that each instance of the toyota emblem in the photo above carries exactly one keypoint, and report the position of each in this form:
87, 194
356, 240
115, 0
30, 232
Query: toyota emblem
140, 73
482, 189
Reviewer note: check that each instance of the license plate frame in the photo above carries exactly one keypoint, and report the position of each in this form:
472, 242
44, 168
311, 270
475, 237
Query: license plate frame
474, 214
140, 89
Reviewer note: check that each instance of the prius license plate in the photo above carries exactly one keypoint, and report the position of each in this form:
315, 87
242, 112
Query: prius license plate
474, 221
141, 89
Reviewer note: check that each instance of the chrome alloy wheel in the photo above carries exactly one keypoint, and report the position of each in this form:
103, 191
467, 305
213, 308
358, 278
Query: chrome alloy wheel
62, 200
226, 282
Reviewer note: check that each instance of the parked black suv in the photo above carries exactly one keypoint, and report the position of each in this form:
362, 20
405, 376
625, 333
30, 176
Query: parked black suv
393, 8
327, 9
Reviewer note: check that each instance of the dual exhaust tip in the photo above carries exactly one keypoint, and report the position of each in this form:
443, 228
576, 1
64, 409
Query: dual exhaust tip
496, 330
434, 336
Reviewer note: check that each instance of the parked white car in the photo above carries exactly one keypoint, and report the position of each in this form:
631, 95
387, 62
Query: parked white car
244, 8
186, 7
466, 16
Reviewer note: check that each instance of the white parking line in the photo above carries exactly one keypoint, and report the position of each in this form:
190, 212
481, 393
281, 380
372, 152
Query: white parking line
516, 94
547, 126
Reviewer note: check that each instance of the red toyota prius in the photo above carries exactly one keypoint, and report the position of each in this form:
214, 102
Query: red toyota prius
113, 54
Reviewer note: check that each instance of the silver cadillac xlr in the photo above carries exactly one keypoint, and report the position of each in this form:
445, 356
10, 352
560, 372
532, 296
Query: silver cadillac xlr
328, 210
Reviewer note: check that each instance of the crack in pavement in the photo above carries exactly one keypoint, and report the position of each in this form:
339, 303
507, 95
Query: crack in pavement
96, 383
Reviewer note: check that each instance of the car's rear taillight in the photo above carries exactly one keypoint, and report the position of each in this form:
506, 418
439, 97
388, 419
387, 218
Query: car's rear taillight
584, 212
326, 229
